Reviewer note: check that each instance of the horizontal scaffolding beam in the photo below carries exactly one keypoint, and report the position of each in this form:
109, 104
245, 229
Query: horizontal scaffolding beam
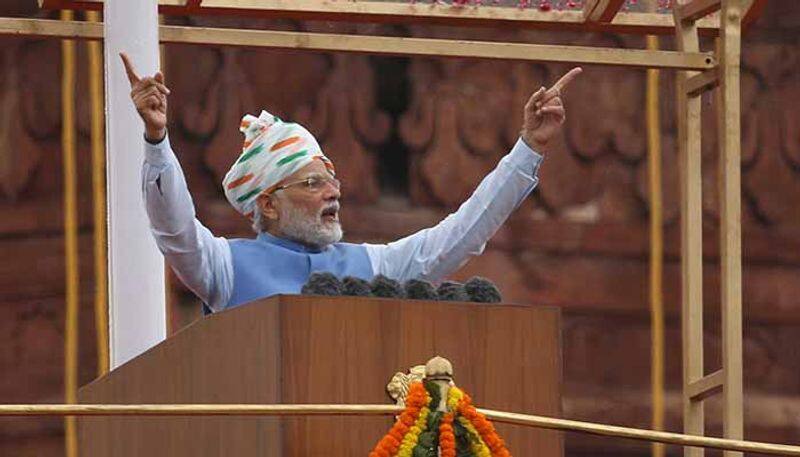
371, 410
637, 58
701, 82
403, 11
601, 10
705, 386
697, 9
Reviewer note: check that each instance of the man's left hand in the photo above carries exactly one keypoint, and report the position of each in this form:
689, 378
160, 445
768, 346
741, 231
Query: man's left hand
544, 113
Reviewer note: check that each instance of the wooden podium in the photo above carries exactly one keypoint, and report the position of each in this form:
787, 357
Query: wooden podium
312, 349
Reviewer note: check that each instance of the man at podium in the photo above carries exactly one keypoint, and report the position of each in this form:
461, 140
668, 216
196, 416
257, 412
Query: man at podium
287, 187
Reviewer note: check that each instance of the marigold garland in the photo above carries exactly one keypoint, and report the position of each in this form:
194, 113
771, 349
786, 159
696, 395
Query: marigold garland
412, 437
455, 396
478, 447
419, 417
390, 444
484, 428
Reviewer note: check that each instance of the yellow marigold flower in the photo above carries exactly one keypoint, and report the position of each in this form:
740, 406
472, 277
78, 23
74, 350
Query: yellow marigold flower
454, 395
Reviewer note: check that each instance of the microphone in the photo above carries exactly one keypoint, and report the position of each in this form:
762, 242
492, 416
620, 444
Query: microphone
419, 289
356, 287
322, 283
386, 287
482, 290
452, 291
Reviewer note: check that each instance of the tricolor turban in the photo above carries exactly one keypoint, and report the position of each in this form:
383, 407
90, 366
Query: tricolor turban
272, 150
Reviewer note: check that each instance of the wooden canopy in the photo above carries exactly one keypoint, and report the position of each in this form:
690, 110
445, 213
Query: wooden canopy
597, 15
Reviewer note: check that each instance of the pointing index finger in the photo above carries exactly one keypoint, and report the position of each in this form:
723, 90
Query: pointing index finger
562, 83
132, 76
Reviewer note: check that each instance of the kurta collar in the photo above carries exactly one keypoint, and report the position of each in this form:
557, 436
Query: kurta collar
265, 237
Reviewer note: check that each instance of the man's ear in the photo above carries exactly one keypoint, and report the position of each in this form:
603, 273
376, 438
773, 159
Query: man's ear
267, 204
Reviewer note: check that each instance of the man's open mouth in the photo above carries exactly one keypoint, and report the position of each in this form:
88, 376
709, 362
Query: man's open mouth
330, 214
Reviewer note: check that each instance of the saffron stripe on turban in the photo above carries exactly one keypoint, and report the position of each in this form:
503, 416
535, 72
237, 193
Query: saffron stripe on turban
283, 143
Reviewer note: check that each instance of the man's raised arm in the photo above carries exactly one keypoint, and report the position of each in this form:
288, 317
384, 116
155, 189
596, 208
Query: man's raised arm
202, 261
436, 252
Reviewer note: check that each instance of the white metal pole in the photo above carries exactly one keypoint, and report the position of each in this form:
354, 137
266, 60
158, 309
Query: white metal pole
136, 269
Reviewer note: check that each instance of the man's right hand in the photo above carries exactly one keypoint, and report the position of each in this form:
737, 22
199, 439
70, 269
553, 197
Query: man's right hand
149, 95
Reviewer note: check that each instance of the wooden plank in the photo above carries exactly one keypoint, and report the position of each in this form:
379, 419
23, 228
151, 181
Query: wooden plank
697, 84
440, 48
97, 5
51, 28
689, 128
730, 204
696, 9
380, 45
705, 386
407, 13
601, 10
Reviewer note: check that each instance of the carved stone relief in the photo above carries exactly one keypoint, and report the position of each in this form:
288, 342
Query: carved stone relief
598, 170
30, 110
458, 119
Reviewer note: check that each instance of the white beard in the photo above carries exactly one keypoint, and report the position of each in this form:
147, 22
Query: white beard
298, 225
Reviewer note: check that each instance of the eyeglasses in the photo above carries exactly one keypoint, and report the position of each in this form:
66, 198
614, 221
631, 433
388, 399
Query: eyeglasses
312, 184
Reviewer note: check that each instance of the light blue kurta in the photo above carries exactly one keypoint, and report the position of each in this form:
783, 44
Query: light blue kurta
225, 273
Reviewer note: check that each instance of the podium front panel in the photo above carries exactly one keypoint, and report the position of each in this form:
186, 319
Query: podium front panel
327, 350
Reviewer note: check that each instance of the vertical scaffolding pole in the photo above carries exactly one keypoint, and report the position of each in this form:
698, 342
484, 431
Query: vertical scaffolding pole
94, 50
689, 128
730, 219
72, 279
656, 249
697, 386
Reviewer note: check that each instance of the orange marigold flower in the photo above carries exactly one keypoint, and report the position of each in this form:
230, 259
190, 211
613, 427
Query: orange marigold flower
484, 428
447, 439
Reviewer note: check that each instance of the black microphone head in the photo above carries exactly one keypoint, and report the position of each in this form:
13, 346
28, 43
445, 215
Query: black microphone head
356, 287
386, 287
419, 289
482, 290
322, 283
452, 291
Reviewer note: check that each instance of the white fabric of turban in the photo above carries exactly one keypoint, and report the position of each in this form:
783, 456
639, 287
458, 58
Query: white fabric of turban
272, 150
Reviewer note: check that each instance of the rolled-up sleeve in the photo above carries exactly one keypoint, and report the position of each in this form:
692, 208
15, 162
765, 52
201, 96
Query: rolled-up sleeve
201, 260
